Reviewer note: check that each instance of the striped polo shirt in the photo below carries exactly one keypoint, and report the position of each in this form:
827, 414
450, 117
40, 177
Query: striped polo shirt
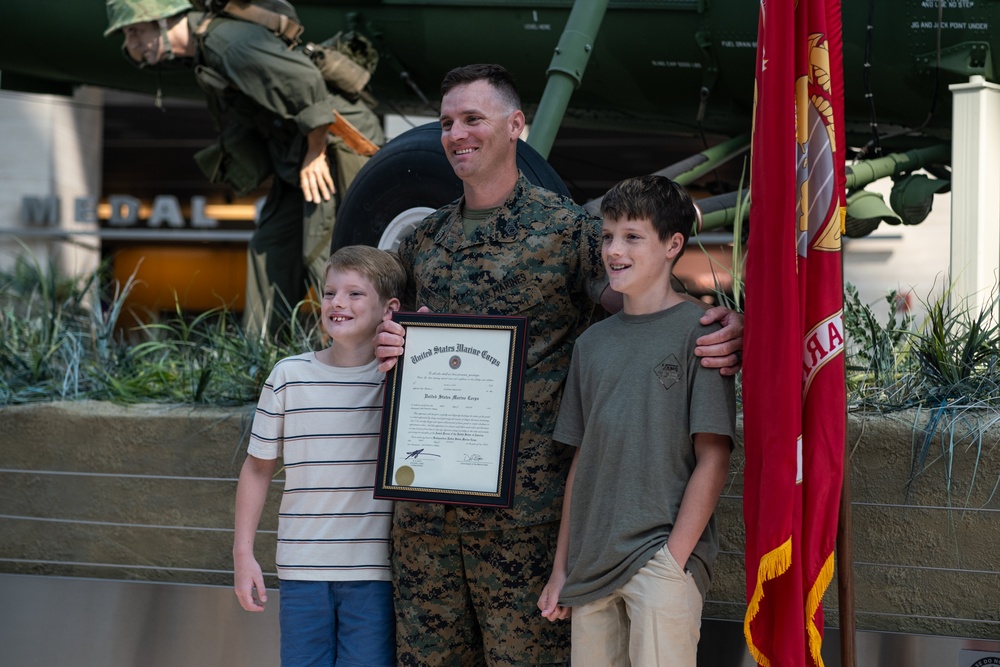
323, 422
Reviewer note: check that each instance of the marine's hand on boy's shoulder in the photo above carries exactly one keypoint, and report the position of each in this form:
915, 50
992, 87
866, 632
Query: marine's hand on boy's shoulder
388, 341
548, 601
722, 349
249, 579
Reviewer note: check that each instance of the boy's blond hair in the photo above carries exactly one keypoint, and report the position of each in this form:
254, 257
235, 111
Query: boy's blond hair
382, 268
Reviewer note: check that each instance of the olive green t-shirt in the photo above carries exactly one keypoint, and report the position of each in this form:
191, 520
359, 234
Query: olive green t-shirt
634, 397
473, 217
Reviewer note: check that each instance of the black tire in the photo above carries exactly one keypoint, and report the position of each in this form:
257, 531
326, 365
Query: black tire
412, 171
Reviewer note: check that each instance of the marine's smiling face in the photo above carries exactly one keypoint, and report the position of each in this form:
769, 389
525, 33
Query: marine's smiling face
478, 133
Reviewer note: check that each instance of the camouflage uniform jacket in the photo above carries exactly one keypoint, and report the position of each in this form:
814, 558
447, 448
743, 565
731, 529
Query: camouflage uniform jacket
538, 256
274, 89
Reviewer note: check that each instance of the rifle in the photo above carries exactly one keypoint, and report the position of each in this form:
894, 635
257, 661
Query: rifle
356, 141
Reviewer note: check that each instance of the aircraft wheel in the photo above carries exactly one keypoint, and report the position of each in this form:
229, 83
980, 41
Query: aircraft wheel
408, 179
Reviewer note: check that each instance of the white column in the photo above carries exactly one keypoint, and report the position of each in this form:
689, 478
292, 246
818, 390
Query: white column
50, 155
975, 201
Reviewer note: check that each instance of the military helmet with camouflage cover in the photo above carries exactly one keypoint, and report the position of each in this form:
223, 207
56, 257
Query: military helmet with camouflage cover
123, 13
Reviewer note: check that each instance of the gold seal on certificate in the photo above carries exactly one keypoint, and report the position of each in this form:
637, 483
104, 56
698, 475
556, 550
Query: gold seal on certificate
451, 412
404, 476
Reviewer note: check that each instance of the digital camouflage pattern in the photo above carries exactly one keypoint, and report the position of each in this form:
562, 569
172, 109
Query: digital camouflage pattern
437, 621
473, 569
538, 256
123, 13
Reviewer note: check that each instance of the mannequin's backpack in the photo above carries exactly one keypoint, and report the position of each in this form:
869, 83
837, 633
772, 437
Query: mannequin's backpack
346, 60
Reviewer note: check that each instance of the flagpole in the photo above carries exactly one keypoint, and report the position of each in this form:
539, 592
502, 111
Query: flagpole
845, 566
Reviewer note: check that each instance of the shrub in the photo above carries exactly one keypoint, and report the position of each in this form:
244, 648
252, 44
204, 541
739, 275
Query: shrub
62, 340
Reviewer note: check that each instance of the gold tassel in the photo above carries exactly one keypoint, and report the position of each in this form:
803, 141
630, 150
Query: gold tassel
813, 601
773, 564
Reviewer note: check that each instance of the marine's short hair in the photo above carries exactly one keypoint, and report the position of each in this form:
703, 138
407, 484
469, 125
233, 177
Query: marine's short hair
382, 268
496, 75
666, 204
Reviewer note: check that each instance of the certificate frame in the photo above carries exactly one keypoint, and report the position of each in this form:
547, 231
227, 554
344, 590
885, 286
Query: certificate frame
450, 435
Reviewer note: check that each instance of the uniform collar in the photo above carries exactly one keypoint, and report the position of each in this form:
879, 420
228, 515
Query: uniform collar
501, 227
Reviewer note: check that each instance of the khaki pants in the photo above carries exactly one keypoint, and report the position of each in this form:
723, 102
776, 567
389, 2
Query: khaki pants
654, 620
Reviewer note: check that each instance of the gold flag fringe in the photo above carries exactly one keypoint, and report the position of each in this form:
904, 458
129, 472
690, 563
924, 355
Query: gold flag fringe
772, 564
813, 601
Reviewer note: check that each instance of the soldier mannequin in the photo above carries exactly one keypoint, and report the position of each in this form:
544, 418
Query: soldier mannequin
274, 110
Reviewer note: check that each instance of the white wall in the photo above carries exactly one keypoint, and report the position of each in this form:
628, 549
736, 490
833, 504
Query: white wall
911, 259
50, 146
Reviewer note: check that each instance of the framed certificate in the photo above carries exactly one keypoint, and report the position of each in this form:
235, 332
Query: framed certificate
451, 415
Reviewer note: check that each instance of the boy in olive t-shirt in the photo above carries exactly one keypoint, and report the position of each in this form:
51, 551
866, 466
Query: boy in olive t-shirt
653, 432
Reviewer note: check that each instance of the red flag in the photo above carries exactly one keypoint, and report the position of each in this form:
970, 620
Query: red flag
794, 399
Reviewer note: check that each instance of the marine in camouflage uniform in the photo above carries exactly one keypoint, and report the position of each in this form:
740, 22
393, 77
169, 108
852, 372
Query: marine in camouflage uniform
536, 256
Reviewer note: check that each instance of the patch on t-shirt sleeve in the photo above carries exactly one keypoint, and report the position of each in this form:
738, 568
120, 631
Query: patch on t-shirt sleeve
668, 372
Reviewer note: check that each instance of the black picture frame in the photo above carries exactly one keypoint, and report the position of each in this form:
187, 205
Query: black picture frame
449, 435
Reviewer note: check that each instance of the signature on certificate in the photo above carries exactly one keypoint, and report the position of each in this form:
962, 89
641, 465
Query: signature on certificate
473, 457
417, 453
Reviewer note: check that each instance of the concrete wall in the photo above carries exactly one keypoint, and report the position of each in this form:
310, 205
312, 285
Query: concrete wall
146, 493
98, 490
924, 558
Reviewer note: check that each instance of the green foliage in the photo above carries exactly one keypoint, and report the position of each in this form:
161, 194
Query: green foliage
878, 361
957, 350
943, 432
948, 369
63, 340
37, 310
952, 357
958, 353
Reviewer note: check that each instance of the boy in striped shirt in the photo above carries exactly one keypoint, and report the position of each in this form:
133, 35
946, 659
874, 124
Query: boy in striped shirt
320, 413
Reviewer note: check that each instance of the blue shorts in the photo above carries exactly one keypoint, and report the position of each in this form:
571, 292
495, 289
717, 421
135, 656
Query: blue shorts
336, 624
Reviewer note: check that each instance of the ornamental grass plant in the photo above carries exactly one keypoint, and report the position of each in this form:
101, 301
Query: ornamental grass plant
946, 369
63, 339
